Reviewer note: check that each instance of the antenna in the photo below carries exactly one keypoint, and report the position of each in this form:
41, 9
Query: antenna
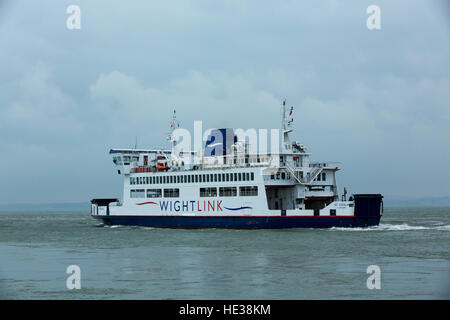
135, 144
174, 123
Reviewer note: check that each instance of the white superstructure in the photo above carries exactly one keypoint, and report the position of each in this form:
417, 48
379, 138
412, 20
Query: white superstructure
236, 183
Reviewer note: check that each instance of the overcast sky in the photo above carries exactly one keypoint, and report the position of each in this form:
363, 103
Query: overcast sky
377, 101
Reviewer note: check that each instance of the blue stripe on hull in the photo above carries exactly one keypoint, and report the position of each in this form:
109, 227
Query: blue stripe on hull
240, 222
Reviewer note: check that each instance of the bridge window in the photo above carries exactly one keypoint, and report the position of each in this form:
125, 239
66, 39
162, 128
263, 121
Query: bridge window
153, 193
324, 176
208, 192
227, 191
248, 191
117, 160
252, 176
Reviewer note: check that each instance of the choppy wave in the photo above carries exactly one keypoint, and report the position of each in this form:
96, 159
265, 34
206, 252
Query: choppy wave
114, 226
146, 228
395, 227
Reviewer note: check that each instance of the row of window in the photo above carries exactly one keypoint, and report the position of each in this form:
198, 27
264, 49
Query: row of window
154, 193
285, 175
126, 160
204, 192
194, 178
280, 175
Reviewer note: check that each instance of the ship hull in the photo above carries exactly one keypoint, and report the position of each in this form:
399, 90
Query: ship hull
367, 212
240, 222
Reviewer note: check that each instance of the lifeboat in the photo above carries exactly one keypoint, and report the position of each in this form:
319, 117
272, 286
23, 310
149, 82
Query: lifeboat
161, 167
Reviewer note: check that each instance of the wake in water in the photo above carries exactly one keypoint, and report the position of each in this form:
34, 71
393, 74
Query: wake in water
115, 226
439, 226
395, 227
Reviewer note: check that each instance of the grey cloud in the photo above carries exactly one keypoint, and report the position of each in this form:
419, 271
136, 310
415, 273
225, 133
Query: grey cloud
376, 101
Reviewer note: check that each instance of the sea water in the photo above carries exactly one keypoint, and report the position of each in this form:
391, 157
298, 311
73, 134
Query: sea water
411, 248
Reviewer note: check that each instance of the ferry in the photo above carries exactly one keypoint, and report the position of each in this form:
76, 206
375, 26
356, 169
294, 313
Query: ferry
226, 185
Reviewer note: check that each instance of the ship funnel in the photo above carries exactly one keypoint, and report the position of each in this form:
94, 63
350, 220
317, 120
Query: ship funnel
219, 142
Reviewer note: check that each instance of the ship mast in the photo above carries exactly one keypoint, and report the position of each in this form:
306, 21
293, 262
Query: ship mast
174, 123
286, 123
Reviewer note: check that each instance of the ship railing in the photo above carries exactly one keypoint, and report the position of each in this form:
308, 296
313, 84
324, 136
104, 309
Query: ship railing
324, 164
204, 166
218, 162
141, 169
235, 161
